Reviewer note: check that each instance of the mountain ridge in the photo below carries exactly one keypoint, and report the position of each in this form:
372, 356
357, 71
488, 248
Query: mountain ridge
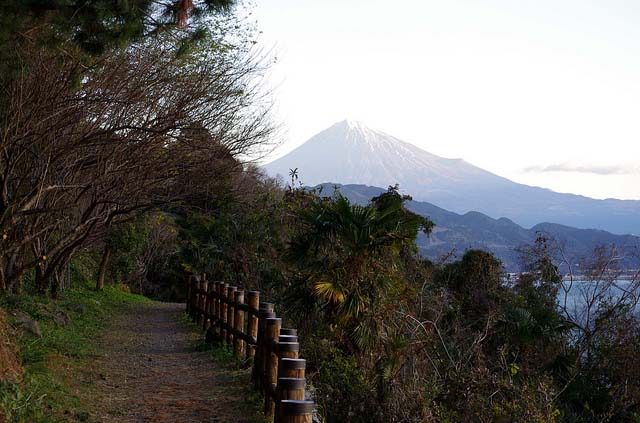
459, 232
349, 152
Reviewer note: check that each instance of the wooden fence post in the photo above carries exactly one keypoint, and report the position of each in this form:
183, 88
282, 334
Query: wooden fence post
213, 328
223, 312
294, 411
289, 388
231, 294
265, 312
292, 367
288, 349
205, 300
194, 299
219, 311
188, 311
277, 370
190, 297
272, 332
287, 338
196, 309
201, 301
215, 312
207, 303
238, 324
212, 299
253, 300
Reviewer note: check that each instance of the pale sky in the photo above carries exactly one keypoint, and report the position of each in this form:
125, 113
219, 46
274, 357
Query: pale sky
543, 92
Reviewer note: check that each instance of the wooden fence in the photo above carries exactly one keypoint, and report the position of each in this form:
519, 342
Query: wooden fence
228, 314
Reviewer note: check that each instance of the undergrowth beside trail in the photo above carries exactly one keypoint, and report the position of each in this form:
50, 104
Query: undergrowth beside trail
69, 328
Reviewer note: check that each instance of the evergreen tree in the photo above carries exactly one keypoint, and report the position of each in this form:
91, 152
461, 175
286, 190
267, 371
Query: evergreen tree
95, 26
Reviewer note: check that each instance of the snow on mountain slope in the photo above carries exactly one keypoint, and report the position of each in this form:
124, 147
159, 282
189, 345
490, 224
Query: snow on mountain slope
351, 153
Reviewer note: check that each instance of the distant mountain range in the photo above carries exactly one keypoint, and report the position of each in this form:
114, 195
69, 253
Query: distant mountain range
351, 153
457, 233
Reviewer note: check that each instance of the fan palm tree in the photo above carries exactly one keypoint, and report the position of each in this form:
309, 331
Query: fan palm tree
350, 255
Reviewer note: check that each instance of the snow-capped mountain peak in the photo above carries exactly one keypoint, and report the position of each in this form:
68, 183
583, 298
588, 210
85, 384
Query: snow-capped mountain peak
350, 152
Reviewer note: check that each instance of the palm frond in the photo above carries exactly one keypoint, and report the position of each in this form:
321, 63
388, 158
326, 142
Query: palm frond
353, 305
329, 292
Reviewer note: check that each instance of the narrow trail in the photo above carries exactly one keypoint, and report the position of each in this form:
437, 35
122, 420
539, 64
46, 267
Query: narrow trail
150, 370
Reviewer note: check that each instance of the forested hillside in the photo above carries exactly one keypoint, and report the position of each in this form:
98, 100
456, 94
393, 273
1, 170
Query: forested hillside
129, 138
456, 233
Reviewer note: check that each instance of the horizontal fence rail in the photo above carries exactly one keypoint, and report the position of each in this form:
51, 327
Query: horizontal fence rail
238, 318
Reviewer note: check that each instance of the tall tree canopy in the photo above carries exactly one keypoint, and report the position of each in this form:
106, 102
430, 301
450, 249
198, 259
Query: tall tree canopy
97, 25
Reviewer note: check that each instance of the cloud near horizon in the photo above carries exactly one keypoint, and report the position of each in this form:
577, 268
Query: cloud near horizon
626, 169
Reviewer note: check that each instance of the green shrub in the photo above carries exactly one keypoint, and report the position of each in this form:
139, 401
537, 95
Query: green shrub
340, 386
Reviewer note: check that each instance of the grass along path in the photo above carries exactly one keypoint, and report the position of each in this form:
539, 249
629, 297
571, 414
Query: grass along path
119, 357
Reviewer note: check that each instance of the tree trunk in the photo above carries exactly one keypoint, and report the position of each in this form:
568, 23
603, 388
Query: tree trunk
8, 272
41, 280
3, 281
103, 268
55, 285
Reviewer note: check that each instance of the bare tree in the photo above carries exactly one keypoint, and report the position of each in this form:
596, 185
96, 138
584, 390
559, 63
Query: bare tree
145, 128
602, 294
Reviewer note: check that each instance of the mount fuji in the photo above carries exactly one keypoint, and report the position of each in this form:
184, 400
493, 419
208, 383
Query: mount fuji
351, 153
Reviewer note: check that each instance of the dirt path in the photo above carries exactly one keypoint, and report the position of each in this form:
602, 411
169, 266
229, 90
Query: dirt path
151, 370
